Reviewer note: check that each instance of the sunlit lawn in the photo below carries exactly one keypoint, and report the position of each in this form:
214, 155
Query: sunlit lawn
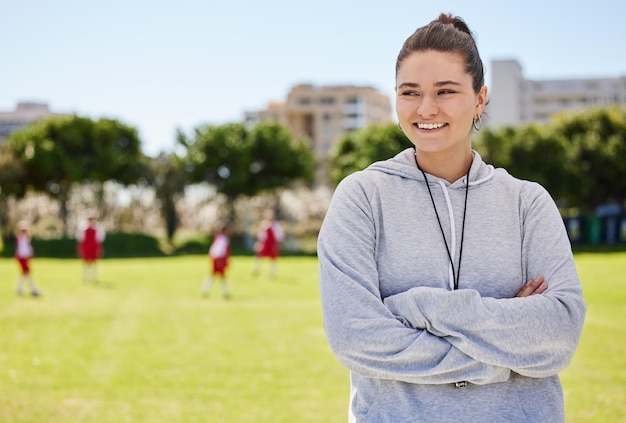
595, 383
144, 346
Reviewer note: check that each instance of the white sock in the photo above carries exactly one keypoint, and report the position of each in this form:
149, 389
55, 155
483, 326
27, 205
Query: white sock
94, 273
18, 285
206, 288
224, 285
31, 284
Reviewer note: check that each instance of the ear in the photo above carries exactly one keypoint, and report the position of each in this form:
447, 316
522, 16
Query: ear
481, 101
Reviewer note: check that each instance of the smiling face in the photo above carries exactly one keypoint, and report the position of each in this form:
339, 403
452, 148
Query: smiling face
436, 104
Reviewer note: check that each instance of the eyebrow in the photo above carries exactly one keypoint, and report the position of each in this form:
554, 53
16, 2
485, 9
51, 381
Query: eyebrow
436, 84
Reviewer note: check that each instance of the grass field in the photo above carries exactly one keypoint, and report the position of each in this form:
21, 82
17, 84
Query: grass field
144, 346
595, 383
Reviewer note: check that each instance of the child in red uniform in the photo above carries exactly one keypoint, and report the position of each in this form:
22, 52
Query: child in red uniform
23, 254
269, 237
90, 237
219, 253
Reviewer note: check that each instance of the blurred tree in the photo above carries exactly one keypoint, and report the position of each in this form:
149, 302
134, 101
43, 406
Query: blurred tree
219, 155
359, 149
238, 161
578, 157
168, 179
60, 151
12, 171
531, 152
277, 159
494, 145
596, 142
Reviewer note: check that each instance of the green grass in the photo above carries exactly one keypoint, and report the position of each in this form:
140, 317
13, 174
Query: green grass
595, 382
144, 346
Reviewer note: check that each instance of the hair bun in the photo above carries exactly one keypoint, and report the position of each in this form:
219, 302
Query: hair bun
455, 21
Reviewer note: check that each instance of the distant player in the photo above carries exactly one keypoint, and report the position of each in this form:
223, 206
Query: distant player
23, 254
90, 236
219, 253
269, 238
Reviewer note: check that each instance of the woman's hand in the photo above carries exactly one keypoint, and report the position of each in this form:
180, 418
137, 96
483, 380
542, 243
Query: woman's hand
532, 287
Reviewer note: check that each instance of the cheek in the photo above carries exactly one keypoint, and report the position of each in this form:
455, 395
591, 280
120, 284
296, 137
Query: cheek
464, 111
403, 108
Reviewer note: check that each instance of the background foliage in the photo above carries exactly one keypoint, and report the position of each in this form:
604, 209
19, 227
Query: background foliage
238, 161
579, 157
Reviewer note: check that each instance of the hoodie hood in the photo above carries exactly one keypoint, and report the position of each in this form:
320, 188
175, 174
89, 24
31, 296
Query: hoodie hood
403, 164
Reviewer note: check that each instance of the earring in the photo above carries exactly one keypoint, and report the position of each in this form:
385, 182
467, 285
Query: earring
477, 123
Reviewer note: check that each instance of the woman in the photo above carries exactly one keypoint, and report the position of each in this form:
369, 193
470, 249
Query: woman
429, 262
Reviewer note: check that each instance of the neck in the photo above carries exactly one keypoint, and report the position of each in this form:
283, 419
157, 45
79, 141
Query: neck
450, 168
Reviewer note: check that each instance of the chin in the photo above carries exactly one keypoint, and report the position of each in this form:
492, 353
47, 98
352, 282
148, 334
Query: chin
429, 146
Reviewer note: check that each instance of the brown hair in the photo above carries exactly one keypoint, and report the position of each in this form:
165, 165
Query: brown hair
447, 33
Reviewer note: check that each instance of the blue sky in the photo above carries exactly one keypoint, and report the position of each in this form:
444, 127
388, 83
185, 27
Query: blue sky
161, 65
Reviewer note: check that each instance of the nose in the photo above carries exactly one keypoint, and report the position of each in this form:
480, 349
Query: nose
427, 107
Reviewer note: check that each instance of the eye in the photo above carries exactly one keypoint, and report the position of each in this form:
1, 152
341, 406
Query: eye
409, 93
446, 91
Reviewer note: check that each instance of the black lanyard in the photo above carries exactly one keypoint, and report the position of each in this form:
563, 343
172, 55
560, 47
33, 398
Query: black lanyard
455, 275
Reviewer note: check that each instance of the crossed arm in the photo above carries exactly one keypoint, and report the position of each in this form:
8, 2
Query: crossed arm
533, 287
435, 336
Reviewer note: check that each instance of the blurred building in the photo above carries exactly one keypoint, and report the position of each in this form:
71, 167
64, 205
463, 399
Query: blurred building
326, 113
24, 114
514, 100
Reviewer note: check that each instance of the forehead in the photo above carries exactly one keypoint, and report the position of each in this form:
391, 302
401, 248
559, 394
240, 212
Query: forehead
432, 65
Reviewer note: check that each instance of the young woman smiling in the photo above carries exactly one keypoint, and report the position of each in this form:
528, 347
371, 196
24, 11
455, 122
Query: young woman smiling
448, 287
436, 106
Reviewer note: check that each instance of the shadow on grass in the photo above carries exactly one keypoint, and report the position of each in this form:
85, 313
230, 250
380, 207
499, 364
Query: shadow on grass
599, 249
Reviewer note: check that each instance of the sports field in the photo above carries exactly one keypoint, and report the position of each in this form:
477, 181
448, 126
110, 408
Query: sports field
145, 346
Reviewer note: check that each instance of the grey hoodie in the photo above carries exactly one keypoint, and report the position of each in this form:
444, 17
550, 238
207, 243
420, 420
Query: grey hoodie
393, 318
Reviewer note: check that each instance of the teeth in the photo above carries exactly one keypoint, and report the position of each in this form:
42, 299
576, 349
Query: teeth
430, 125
